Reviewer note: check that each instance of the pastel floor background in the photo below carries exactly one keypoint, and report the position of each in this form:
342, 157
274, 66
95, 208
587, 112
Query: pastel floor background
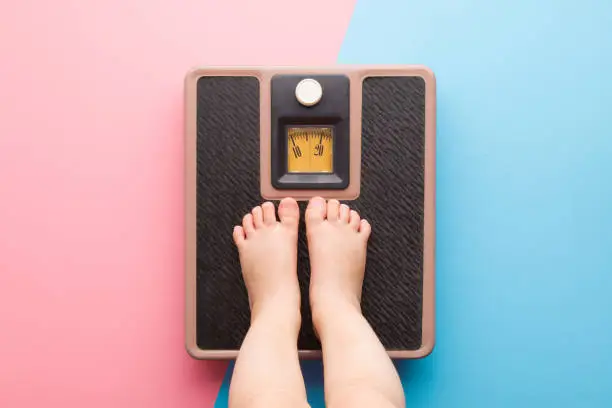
524, 248
91, 286
91, 187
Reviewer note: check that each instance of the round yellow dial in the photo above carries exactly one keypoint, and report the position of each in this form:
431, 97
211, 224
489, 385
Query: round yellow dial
310, 150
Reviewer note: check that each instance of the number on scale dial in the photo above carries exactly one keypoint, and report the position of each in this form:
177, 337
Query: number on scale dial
310, 150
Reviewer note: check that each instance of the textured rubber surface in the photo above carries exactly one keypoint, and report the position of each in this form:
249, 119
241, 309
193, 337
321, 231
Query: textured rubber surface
391, 199
228, 187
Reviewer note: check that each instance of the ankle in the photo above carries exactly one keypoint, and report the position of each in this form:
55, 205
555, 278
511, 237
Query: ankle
277, 312
327, 308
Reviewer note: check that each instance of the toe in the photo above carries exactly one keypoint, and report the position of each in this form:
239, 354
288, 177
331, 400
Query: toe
365, 229
269, 217
238, 235
345, 212
333, 210
316, 210
247, 224
354, 220
288, 211
257, 217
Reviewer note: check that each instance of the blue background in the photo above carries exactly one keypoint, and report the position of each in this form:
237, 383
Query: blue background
524, 197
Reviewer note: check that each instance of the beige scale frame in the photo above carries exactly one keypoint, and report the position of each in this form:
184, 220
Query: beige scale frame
356, 75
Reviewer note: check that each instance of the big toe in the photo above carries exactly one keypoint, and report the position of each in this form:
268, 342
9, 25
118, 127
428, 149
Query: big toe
289, 212
316, 211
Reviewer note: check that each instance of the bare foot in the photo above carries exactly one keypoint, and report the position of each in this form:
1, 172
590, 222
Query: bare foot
268, 257
337, 242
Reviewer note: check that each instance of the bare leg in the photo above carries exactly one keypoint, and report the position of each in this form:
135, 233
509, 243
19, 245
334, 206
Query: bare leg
267, 372
358, 371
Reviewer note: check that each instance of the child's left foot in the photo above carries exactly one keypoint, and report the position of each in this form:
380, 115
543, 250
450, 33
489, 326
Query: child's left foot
268, 256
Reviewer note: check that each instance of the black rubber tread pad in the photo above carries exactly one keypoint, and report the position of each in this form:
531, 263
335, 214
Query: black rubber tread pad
392, 189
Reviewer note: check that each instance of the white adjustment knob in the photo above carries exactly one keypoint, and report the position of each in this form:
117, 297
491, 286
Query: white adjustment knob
308, 92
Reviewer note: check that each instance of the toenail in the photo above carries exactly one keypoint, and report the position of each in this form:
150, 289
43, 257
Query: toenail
318, 201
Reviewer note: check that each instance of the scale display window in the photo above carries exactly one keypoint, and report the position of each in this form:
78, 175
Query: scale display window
310, 149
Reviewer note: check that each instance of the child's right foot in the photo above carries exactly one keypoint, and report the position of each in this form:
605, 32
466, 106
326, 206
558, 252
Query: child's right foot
337, 243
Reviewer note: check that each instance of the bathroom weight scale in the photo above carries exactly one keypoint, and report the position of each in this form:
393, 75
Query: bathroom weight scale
364, 135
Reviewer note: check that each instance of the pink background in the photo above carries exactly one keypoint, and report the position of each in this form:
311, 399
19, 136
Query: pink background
91, 195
